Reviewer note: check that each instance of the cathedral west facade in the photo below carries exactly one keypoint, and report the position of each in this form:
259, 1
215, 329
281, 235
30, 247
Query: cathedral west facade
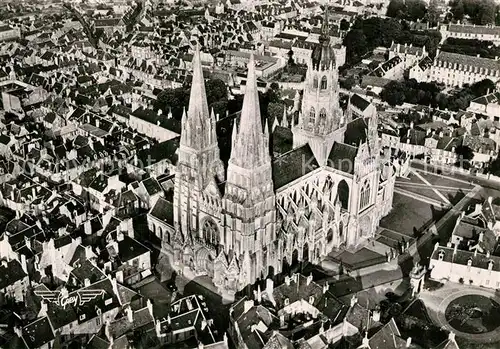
262, 213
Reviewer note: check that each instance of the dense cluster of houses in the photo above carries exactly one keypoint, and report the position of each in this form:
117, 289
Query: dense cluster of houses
437, 141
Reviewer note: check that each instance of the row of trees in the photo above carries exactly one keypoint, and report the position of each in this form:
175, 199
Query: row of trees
178, 98
429, 93
271, 102
479, 11
367, 34
471, 47
414, 10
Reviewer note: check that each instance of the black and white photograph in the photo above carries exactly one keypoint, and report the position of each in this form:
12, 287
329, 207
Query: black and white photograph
249, 174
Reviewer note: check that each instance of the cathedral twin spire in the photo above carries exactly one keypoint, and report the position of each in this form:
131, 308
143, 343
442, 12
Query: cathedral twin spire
198, 126
250, 141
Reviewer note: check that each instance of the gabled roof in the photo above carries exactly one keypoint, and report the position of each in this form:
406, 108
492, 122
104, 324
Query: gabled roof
342, 157
38, 333
290, 166
163, 211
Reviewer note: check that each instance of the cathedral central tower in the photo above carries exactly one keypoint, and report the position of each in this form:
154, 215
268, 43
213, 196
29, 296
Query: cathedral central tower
321, 120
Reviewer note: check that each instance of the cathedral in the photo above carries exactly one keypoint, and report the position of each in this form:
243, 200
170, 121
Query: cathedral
265, 212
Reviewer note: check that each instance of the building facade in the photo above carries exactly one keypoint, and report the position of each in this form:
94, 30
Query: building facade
264, 215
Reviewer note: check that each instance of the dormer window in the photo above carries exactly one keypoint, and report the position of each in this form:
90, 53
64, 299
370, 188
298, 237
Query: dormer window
311, 300
490, 265
82, 317
441, 255
108, 301
287, 301
469, 262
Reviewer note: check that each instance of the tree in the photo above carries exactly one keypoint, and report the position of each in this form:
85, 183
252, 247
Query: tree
416, 9
494, 167
487, 9
348, 83
275, 111
396, 8
356, 45
344, 24
393, 93
457, 9
465, 154
216, 90
291, 61
433, 13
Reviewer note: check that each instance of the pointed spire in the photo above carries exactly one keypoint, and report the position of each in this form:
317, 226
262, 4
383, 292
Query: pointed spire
250, 145
198, 106
234, 135
325, 27
284, 120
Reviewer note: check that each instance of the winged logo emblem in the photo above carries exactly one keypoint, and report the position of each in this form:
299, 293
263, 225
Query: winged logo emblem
63, 299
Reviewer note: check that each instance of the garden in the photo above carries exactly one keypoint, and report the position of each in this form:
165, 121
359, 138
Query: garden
473, 314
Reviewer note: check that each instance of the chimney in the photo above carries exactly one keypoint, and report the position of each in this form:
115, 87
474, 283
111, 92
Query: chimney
354, 300
408, 342
86, 282
411, 125
23, 263
130, 314
33, 192
259, 294
97, 122
490, 200
287, 280
326, 287
309, 279
43, 308
247, 306
282, 320
269, 287
149, 305
376, 315
119, 236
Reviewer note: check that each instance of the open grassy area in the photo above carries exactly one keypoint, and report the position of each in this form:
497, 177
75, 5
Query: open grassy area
425, 191
409, 216
445, 181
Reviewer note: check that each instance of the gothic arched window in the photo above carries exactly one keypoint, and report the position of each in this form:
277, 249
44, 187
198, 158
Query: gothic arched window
312, 116
324, 83
328, 184
322, 117
210, 233
315, 82
343, 194
365, 195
